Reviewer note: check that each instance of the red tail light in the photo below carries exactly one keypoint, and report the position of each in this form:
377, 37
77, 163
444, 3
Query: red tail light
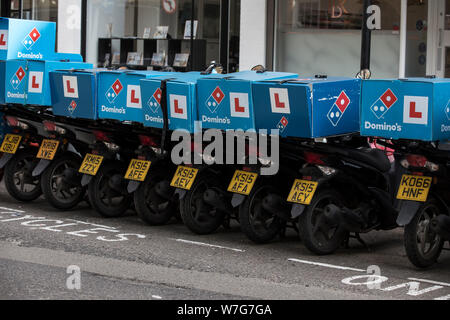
147, 141
12, 121
416, 161
49, 126
101, 136
314, 158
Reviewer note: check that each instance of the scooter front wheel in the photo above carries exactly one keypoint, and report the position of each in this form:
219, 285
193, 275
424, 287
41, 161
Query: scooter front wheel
423, 246
104, 197
197, 215
19, 182
319, 235
61, 183
259, 225
153, 208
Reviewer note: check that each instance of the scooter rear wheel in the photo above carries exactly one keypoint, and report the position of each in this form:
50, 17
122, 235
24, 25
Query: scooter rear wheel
197, 215
108, 202
423, 246
318, 235
259, 225
151, 207
60, 194
19, 182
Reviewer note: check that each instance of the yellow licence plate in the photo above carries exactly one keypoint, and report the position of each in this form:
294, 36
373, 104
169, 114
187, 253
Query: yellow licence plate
138, 170
243, 182
91, 164
48, 149
302, 192
184, 178
11, 143
414, 188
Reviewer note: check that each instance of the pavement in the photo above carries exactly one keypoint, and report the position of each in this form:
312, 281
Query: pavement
47, 254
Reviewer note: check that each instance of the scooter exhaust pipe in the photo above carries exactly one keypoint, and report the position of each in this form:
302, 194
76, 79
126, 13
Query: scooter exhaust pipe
441, 225
277, 206
346, 218
213, 198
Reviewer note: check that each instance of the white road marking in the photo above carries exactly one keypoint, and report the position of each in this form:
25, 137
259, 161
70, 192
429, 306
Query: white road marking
431, 282
11, 210
207, 245
326, 265
91, 224
156, 297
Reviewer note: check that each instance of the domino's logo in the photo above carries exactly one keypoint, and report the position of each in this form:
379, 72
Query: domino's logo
215, 100
282, 125
72, 107
17, 78
155, 101
338, 109
31, 39
384, 104
114, 91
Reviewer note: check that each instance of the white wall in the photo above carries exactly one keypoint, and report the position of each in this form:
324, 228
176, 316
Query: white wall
253, 34
69, 26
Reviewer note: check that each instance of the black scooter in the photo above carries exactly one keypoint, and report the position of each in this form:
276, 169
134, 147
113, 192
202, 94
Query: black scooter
343, 190
425, 199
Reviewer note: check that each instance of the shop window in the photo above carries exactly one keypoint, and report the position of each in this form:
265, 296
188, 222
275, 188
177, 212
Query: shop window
120, 29
324, 37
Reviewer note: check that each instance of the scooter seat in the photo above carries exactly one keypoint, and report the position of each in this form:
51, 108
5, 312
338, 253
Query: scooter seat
373, 157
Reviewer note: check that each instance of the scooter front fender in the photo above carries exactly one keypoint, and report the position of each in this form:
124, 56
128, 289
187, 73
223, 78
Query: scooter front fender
5, 159
86, 179
133, 186
408, 210
41, 167
297, 210
237, 200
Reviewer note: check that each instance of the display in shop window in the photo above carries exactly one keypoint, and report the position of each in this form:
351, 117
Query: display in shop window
161, 32
187, 29
159, 59
115, 58
135, 59
181, 60
147, 33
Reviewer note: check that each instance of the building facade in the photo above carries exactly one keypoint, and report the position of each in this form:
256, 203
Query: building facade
411, 38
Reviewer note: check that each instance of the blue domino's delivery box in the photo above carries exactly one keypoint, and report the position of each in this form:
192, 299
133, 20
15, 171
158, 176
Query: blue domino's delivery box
74, 93
227, 102
27, 39
119, 94
27, 81
181, 100
308, 108
414, 109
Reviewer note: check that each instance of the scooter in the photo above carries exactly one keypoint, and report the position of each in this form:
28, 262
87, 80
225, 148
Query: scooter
60, 156
343, 189
424, 192
148, 174
104, 166
18, 161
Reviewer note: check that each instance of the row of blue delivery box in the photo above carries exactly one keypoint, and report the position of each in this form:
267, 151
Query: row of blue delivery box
314, 107
297, 107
